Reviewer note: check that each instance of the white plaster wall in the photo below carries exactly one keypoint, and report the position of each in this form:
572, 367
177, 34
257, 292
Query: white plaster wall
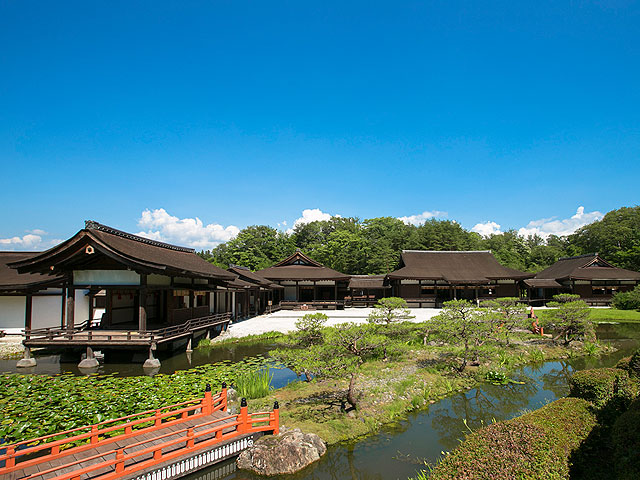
81, 311
45, 311
12, 313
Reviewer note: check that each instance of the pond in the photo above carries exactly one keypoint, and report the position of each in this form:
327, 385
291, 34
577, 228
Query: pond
400, 450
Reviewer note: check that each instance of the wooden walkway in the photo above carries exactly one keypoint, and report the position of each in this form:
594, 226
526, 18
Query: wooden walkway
166, 443
84, 336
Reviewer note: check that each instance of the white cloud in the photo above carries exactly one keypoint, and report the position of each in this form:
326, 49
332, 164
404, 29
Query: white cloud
310, 215
32, 241
191, 232
422, 217
487, 228
552, 226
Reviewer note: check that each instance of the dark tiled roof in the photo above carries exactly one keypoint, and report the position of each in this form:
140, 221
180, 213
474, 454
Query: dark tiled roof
248, 275
128, 249
586, 267
454, 267
542, 283
11, 280
368, 281
300, 267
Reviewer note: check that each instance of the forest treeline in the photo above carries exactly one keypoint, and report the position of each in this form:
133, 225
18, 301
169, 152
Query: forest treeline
372, 246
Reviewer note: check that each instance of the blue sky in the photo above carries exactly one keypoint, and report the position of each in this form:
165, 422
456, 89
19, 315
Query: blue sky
240, 113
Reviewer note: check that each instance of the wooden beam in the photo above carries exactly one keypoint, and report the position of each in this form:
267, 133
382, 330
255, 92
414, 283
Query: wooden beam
63, 306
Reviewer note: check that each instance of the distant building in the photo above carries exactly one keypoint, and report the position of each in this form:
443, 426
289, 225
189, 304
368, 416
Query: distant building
306, 281
28, 300
589, 276
256, 295
427, 278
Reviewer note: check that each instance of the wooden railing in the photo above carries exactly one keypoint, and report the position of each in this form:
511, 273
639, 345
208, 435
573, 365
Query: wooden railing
65, 443
162, 334
122, 463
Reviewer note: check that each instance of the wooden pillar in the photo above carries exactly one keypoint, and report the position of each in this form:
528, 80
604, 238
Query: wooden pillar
63, 306
297, 292
335, 290
215, 301
27, 311
90, 307
142, 303
192, 300
108, 304
71, 297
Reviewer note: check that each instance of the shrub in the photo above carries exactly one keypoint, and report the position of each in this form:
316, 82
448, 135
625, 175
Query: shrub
634, 364
623, 363
626, 443
533, 446
627, 300
389, 310
602, 386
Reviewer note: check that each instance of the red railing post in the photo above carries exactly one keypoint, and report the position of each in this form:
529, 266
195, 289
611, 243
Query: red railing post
243, 417
158, 420
190, 441
11, 461
223, 397
276, 418
120, 464
94, 434
207, 401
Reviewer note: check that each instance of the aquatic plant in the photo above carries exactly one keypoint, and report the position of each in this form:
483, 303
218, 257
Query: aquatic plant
35, 405
254, 383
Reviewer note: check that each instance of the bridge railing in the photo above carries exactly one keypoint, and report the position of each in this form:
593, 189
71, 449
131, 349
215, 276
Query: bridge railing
189, 440
73, 441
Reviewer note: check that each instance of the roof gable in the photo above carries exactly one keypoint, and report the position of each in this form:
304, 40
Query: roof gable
586, 267
298, 258
125, 249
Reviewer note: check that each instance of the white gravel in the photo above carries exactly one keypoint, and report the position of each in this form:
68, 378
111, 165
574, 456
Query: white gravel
284, 320
10, 346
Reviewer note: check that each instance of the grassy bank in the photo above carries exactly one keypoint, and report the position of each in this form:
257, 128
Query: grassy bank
387, 390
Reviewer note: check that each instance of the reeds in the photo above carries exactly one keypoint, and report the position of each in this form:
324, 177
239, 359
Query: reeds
254, 384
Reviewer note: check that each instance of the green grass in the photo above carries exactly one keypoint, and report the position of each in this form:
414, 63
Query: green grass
604, 315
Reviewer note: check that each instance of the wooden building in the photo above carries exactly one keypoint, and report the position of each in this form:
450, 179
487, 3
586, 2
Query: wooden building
366, 290
590, 276
307, 282
28, 300
256, 294
428, 278
148, 289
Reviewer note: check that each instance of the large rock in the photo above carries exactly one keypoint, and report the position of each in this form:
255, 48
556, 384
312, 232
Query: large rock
288, 452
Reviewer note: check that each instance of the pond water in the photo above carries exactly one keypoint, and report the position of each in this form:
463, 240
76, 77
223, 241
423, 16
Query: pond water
50, 364
400, 450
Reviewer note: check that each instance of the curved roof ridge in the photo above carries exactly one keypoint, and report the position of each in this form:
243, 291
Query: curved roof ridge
93, 225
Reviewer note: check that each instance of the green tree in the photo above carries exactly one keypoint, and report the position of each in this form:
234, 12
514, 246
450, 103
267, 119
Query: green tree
309, 328
570, 318
627, 300
389, 310
345, 349
616, 237
509, 314
256, 247
461, 322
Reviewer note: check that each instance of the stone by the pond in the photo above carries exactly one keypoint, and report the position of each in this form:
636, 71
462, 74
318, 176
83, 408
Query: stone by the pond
288, 452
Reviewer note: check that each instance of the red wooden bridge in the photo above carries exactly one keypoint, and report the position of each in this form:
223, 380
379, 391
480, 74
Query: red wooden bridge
166, 443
